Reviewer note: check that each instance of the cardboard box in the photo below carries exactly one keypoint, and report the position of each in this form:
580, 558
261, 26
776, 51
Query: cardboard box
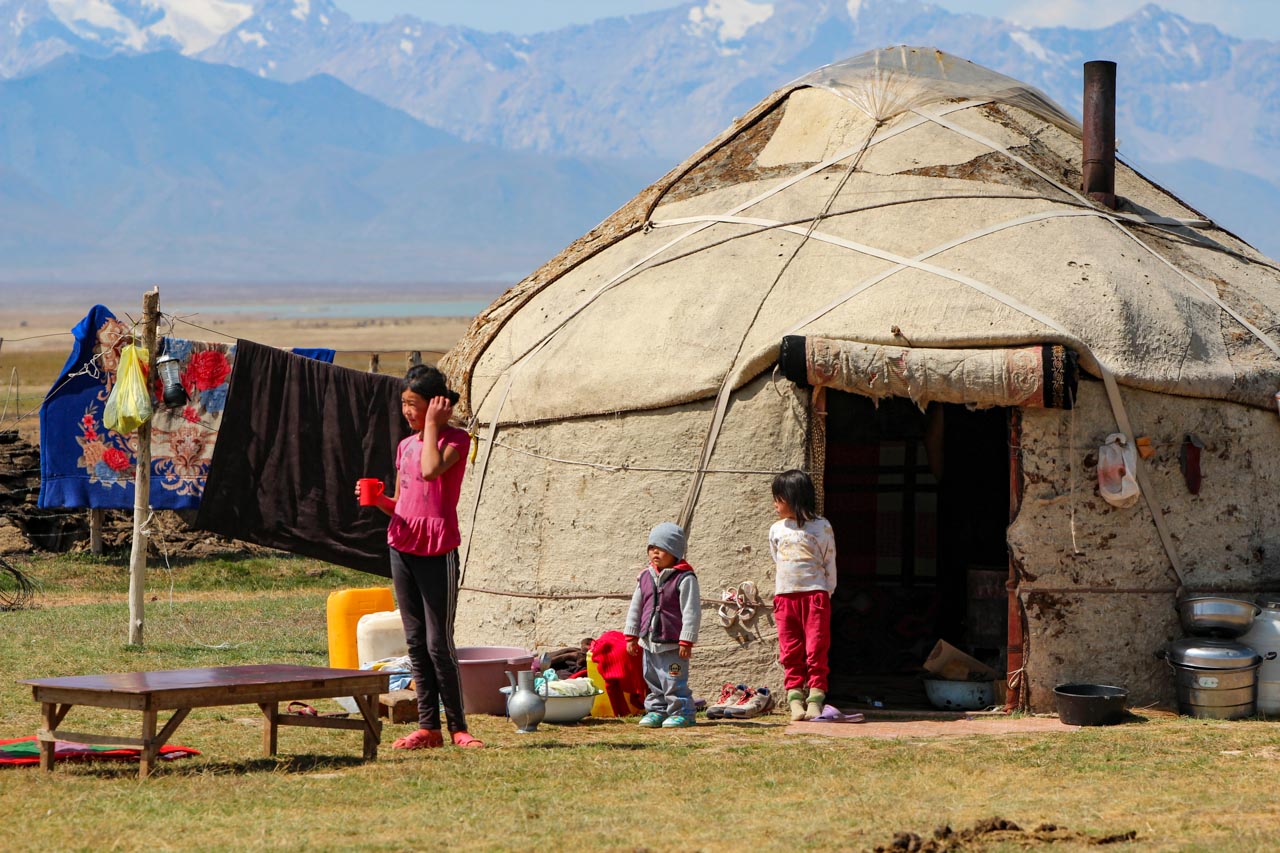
946, 661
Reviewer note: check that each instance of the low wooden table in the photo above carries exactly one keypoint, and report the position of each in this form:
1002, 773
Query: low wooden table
180, 690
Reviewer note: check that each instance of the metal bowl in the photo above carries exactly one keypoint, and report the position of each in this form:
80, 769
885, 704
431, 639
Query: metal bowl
1219, 617
1090, 704
960, 695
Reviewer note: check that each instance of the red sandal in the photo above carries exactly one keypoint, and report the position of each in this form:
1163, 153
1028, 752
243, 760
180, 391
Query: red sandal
420, 739
466, 741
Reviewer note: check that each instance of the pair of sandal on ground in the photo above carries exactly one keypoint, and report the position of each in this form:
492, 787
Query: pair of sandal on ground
738, 604
433, 738
740, 702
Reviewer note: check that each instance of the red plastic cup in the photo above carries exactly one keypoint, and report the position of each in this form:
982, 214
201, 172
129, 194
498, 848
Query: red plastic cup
371, 489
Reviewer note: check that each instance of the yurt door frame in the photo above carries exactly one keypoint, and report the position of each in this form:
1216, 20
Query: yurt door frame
921, 503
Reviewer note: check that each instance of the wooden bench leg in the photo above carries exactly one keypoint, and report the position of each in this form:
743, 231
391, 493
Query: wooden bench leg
167, 732
149, 747
270, 727
51, 714
372, 725
49, 723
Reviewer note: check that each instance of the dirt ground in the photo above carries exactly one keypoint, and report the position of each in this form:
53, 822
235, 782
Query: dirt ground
992, 832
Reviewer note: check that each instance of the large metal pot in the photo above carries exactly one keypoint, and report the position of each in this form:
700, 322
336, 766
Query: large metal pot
1216, 616
1217, 679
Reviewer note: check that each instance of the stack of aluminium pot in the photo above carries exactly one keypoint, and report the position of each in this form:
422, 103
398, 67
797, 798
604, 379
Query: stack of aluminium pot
1217, 677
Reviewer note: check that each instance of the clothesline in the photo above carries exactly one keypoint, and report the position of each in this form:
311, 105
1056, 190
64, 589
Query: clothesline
89, 368
603, 466
581, 596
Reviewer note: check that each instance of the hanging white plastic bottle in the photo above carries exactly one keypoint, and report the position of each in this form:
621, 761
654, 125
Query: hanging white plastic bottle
1117, 467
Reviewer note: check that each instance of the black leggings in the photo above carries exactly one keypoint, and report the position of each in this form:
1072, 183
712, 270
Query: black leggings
427, 592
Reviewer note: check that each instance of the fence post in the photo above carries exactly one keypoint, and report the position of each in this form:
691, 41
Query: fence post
95, 532
142, 479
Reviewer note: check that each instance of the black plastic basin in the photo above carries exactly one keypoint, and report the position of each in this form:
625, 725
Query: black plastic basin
1090, 704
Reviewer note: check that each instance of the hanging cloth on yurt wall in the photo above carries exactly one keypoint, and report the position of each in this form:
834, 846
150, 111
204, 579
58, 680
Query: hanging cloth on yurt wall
296, 435
84, 464
1038, 376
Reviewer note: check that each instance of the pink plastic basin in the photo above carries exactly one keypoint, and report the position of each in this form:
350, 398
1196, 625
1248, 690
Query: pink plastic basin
484, 674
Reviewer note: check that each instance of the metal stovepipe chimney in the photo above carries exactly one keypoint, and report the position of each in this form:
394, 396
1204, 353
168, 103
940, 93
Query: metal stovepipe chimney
1099, 164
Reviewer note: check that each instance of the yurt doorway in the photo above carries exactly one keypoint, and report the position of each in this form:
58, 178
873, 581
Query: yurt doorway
920, 505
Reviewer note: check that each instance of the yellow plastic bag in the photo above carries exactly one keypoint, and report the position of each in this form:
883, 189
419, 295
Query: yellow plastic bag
129, 403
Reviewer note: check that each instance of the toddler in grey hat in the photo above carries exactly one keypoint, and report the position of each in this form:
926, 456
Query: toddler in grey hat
669, 537
663, 622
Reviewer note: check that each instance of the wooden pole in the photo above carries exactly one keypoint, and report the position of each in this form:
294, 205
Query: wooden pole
412, 359
373, 362
142, 478
95, 532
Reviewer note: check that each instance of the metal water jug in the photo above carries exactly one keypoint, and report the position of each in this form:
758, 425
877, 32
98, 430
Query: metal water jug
525, 707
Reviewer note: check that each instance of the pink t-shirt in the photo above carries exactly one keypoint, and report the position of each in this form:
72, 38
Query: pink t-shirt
425, 521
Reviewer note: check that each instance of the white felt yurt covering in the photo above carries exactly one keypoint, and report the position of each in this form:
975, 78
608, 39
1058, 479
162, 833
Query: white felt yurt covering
916, 207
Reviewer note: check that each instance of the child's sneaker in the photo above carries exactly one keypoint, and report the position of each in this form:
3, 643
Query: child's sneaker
744, 695
653, 720
678, 721
760, 702
729, 695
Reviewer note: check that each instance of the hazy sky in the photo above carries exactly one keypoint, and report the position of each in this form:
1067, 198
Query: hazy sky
1256, 18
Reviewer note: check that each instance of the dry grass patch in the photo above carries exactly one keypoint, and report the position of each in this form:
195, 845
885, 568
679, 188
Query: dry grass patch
605, 784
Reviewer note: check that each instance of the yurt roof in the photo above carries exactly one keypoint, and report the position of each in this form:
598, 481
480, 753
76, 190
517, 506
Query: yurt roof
903, 197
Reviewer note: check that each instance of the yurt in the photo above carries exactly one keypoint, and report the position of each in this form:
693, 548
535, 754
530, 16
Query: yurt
1037, 392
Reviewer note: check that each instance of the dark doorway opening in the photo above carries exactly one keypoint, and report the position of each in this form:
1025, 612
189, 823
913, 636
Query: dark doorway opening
919, 502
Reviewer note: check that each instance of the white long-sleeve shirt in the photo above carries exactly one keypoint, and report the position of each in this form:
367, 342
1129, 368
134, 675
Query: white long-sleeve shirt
804, 557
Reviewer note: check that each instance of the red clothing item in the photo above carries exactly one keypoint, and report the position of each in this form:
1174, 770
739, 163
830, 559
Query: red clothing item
623, 674
804, 637
425, 521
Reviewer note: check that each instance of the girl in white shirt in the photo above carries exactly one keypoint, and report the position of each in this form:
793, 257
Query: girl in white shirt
803, 548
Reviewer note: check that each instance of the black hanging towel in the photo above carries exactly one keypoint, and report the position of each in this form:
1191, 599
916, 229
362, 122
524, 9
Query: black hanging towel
295, 437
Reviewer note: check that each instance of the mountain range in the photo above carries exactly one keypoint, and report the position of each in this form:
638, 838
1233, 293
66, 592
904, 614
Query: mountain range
284, 140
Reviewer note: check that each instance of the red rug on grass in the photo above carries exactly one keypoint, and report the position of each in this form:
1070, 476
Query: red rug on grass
25, 750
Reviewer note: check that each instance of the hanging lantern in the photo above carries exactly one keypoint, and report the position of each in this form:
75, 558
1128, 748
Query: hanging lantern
170, 371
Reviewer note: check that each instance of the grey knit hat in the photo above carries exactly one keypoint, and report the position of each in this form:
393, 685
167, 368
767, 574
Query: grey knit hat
669, 537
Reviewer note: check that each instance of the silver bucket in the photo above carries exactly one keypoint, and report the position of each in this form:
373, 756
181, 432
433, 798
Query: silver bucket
1217, 694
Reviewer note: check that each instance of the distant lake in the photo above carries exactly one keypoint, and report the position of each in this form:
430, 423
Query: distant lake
346, 310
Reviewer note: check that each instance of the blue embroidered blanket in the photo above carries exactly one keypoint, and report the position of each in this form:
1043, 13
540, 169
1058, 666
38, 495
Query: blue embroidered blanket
84, 464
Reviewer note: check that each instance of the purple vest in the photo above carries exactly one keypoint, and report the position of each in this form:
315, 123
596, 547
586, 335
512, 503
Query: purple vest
663, 596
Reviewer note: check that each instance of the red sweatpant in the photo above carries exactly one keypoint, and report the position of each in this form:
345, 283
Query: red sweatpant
804, 637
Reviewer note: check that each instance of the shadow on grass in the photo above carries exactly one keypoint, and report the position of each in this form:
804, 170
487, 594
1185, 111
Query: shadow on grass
615, 745
182, 767
306, 763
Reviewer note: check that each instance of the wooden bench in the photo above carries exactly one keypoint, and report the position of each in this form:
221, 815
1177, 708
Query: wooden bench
180, 690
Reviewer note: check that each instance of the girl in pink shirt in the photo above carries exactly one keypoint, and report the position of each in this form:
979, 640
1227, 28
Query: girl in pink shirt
424, 538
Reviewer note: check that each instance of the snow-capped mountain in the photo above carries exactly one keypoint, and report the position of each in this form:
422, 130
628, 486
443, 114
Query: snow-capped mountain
189, 26
1196, 107
662, 83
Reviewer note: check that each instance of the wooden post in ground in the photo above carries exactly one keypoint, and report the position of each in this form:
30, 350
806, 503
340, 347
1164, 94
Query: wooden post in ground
374, 358
142, 478
95, 532
412, 359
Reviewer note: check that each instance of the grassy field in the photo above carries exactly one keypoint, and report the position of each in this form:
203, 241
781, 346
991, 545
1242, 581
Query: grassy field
1179, 784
